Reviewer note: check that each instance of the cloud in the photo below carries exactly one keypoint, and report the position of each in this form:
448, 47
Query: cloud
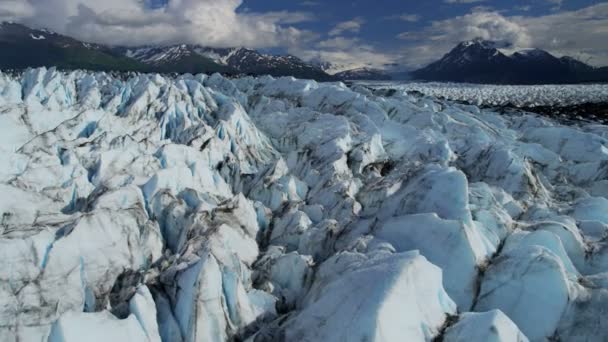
582, 33
12, 9
352, 26
353, 58
484, 9
485, 25
410, 18
131, 22
338, 43
286, 17
553, 33
557, 4
345, 54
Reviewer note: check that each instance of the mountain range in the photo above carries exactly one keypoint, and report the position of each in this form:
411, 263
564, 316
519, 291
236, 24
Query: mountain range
476, 61
25, 47
480, 61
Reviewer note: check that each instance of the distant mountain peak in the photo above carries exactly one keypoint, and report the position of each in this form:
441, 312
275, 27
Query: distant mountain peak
481, 61
469, 53
475, 42
482, 44
533, 53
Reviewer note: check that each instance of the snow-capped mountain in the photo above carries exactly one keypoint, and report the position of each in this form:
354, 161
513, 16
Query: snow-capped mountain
331, 68
144, 207
363, 74
250, 61
24, 47
234, 60
391, 71
176, 58
480, 61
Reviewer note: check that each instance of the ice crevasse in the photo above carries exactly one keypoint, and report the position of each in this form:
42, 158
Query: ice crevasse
199, 208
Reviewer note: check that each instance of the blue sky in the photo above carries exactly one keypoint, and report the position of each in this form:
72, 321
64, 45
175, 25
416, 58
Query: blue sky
381, 30
418, 13
384, 23
348, 34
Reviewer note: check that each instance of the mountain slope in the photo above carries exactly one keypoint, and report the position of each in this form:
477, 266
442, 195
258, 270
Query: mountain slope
367, 74
195, 58
23, 47
181, 58
249, 61
481, 61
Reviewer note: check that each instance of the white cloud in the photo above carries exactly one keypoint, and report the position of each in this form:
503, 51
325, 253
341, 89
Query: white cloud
485, 25
286, 17
12, 9
342, 60
338, 43
482, 8
557, 4
129, 22
352, 26
345, 54
582, 33
410, 18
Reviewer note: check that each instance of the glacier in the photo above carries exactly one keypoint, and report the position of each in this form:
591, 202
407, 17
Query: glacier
526, 96
145, 207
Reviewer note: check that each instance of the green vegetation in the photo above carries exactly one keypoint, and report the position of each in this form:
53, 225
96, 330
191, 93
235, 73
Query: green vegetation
20, 55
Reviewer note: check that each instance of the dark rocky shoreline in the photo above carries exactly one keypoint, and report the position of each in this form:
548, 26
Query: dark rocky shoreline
588, 112
595, 112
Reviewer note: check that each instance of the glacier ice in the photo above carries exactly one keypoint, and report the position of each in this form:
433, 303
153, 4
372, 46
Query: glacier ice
457, 258
497, 95
98, 327
372, 309
530, 285
194, 207
491, 326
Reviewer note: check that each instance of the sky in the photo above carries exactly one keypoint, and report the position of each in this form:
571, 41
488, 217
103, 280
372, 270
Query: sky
374, 33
